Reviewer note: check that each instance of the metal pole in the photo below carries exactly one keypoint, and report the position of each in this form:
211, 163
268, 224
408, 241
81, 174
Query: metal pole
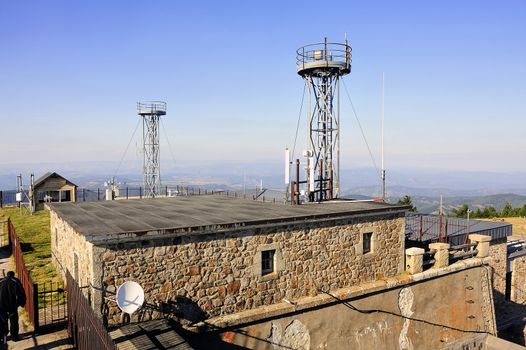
338, 139
382, 139
297, 181
320, 196
98, 194
292, 195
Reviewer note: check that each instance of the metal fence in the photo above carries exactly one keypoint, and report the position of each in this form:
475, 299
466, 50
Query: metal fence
23, 274
425, 228
8, 197
52, 306
84, 327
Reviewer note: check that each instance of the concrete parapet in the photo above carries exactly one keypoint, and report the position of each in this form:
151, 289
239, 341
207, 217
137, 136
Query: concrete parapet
441, 254
414, 260
482, 242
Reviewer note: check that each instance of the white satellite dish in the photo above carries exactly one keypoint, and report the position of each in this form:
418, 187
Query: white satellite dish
130, 297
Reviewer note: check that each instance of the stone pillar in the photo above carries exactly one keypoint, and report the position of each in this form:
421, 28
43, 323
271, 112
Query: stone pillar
441, 254
482, 242
414, 259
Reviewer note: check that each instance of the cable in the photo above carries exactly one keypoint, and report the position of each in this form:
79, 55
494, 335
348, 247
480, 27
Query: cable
360, 125
129, 143
299, 118
168, 142
370, 311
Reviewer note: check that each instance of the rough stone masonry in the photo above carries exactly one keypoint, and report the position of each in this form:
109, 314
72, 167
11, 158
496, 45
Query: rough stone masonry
198, 276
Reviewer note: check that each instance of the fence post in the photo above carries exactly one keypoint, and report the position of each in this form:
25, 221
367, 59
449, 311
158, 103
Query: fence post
98, 194
482, 242
414, 260
140, 192
441, 254
83, 194
1, 199
35, 308
126, 192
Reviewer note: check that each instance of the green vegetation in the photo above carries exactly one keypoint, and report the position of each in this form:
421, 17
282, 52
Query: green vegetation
407, 200
490, 212
35, 238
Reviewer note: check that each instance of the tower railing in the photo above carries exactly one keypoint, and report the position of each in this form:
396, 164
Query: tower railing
328, 52
151, 107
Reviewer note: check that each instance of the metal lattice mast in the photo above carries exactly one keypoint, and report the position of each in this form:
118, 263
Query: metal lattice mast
151, 113
322, 65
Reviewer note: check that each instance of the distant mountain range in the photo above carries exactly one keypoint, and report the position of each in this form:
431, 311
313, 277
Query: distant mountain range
476, 189
432, 204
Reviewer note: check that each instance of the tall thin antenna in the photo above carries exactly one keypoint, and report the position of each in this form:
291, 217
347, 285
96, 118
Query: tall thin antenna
383, 111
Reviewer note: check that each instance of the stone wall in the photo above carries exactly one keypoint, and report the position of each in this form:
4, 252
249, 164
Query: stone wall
428, 314
498, 251
518, 280
66, 246
218, 274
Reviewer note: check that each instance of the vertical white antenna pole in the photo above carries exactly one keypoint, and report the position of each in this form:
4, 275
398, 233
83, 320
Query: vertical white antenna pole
383, 111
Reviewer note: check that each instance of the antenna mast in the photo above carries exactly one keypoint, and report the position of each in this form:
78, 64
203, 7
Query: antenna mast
151, 112
322, 65
383, 111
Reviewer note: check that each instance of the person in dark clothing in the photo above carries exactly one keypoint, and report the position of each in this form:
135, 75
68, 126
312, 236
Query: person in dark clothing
12, 295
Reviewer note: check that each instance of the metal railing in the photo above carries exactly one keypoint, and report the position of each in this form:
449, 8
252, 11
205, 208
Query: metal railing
433, 228
24, 277
328, 52
151, 107
84, 327
52, 305
99, 194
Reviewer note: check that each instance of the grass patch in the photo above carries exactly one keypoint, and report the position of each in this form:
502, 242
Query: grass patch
35, 239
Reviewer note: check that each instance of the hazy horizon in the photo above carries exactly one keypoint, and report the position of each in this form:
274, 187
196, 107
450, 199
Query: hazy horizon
454, 80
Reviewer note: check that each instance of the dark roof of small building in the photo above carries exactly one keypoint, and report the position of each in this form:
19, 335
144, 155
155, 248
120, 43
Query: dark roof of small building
48, 175
125, 219
426, 228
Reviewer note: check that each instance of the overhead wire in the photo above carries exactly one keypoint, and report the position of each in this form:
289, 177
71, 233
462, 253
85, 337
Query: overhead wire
168, 142
299, 118
127, 147
360, 126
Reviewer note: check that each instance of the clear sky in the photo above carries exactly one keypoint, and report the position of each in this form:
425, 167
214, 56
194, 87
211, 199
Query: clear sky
71, 73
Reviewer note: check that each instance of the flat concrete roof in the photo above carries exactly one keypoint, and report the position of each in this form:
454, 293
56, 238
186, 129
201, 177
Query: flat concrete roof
125, 219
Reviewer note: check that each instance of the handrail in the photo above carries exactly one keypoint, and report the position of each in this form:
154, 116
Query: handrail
329, 52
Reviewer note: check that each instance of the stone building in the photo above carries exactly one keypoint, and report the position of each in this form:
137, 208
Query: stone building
52, 187
224, 255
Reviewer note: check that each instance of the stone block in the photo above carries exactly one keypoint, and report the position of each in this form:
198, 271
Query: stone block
482, 242
414, 259
441, 254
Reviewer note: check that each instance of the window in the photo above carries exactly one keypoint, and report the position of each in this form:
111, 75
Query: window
366, 247
267, 262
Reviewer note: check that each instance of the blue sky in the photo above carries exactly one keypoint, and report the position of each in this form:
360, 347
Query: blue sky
71, 73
